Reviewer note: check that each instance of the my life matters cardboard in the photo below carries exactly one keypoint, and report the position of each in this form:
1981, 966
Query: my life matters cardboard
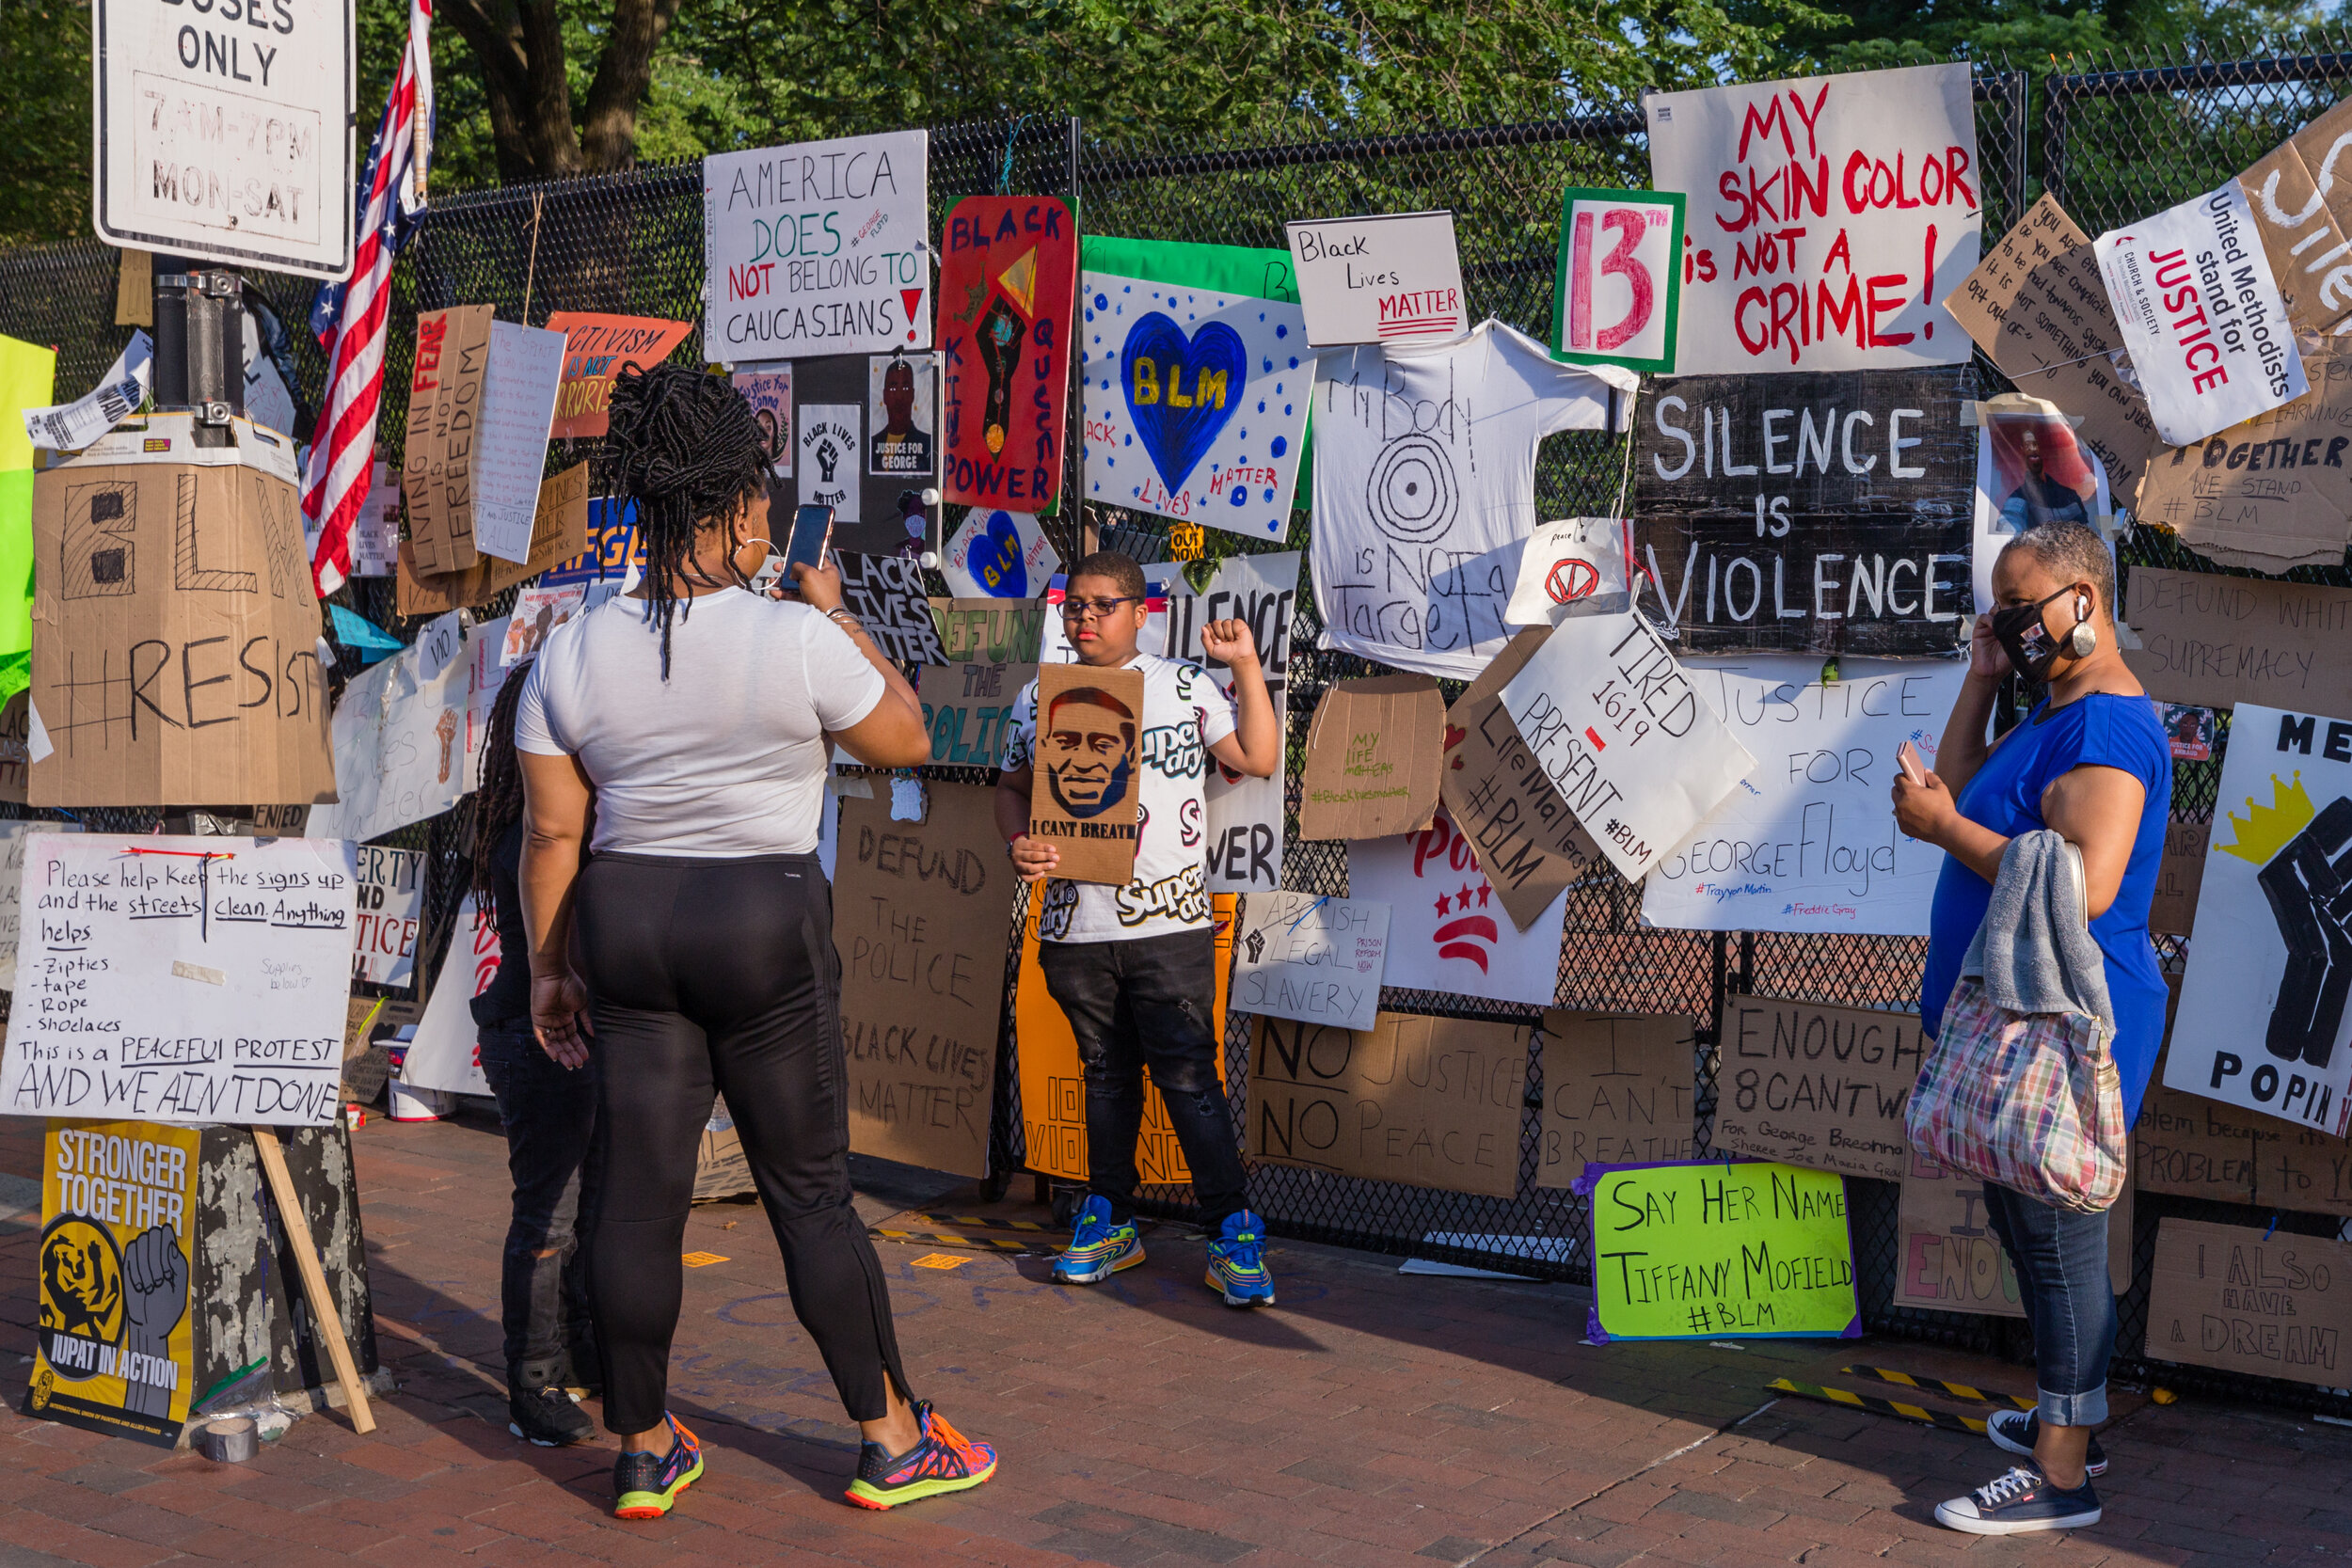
1007, 288
2263, 1022
559, 532
1315, 958
1089, 770
2216, 642
2243, 1301
2208, 332
175, 625
1392, 278
2272, 493
1617, 297
1880, 171
595, 346
1617, 1089
817, 247
1373, 753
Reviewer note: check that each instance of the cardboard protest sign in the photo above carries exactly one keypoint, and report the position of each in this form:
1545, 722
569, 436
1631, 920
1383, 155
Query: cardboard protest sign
920, 914
16, 748
2241, 1300
2274, 921
453, 362
2271, 493
2039, 309
1692, 1250
445, 1052
1245, 849
1527, 843
1807, 843
2202, 315
1817, 1086
862, 439
1393, 278
886, 593
1949, 1260
1618, 1090
1880, 171
389, 904
1084, 798
770, 393
1632, 746
175, 625
2302, 215
1373, 752
1007, 284
2173, 910
399, 745
2191, 1146
115, 1351
595, 346
1618, 298
1314, 958
225, 963
998, 554
966, 707
1053, 1086
1576, 566
1807, 513
817, 247
559, 535
1446, 930
2030, 471
1428, 1102
2217, 641
1169, 373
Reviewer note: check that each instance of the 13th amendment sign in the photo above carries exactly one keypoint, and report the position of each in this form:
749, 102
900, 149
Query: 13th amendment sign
225, 130
1814, 512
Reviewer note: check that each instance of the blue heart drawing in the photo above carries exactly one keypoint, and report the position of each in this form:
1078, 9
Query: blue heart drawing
1164, 374
994, 560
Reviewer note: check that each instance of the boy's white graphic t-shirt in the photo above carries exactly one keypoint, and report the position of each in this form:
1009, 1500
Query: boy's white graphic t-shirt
1184, 715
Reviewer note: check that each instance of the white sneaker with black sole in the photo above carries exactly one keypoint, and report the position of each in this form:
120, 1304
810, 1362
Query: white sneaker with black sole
2018, 1502
2015, 1430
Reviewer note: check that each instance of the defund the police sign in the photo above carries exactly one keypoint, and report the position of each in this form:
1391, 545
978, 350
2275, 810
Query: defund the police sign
223, 130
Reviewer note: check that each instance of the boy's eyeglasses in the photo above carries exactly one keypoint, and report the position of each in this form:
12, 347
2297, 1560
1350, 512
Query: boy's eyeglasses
1076, 610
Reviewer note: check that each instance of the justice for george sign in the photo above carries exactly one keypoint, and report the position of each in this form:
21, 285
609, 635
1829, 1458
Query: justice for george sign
180, 979
1828, 218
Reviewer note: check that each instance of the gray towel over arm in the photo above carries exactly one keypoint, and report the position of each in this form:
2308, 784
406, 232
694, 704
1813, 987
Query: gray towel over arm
2035, 949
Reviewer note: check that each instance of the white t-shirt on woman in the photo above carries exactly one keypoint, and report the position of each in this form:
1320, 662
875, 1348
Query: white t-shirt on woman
725, 758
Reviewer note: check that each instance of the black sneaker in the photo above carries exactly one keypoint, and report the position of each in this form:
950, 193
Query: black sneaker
2015, 1430
2019, 1501
548, 1416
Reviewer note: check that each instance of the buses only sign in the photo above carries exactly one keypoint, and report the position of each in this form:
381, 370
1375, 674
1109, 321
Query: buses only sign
224, 131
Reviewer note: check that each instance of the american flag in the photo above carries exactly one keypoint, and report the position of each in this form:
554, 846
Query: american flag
349, 318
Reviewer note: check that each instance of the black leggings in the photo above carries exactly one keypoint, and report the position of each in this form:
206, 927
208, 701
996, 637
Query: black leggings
721, 974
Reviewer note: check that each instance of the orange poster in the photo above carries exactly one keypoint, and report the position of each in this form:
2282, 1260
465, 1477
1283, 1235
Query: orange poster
596, 347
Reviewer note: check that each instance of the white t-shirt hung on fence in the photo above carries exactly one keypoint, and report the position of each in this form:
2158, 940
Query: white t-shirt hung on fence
1425, 488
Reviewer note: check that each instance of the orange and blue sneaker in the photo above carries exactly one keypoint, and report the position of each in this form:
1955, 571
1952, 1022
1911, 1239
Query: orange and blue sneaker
1098, 1249
645, 1484
944, 1461
1237, 1262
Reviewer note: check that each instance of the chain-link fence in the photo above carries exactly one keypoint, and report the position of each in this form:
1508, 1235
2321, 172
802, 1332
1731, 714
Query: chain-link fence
2116, 144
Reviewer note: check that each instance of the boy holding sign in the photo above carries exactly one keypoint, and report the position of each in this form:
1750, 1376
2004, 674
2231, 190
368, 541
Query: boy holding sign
1134, 967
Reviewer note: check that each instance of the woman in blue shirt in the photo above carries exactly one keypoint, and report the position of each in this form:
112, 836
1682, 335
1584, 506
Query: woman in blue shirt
2092, 763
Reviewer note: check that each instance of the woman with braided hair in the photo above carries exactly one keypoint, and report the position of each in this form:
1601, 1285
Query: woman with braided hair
693, 953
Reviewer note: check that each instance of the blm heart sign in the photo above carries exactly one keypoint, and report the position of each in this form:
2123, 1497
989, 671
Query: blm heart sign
1196, 401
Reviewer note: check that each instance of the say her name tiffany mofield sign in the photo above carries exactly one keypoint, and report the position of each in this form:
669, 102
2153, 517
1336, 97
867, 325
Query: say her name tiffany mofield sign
180, 979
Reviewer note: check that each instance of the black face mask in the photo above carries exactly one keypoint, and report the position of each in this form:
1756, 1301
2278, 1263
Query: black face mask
2032, 650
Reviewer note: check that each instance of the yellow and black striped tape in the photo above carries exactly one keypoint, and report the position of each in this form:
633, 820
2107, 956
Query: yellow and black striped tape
1896, 1408
978, 1223
1937, 1385
928, 1238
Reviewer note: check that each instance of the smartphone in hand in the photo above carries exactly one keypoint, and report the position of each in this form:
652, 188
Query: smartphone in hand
1907, 758
811, 543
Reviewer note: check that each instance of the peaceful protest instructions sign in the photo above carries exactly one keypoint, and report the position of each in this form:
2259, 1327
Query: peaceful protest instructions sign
180, 979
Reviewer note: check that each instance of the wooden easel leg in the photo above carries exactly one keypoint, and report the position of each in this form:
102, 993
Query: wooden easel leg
327, 1318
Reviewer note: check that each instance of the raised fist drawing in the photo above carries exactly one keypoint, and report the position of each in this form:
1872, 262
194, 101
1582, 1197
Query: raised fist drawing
154, 1298
2309, 884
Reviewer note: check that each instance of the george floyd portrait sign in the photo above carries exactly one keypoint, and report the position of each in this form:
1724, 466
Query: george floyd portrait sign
1088, 770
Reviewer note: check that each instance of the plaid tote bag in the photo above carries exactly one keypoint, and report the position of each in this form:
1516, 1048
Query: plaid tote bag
2031, 1101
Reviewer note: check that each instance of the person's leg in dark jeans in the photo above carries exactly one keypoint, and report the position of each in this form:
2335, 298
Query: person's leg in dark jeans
549, 1115
1082, 978
1168, 985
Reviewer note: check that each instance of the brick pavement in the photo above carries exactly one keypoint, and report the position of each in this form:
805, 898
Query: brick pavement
1372, 1419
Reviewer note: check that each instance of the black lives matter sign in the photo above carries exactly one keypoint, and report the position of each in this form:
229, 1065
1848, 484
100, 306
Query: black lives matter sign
1810, 512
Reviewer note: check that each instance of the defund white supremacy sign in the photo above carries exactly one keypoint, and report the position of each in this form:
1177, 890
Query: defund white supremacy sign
817, 248
180, 979
2200, 313
1808, 842
2263, 1021
226, 133
1636, 749
1828, 219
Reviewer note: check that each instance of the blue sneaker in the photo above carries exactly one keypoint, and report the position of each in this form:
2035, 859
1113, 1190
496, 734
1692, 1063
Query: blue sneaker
645, 1485
1098, 1249
1237, 1262
2021, 1500
2015, 1431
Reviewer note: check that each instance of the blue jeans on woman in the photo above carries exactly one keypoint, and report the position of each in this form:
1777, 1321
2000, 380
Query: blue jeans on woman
2061, 1261
549, 1112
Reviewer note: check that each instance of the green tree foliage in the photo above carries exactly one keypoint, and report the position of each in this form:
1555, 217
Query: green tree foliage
2038, 36
44, 120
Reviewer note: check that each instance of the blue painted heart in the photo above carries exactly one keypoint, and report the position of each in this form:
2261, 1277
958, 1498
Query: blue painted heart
1181, 392
994, 560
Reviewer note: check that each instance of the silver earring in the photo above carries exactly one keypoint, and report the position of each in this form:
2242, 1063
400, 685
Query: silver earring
2083, 640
